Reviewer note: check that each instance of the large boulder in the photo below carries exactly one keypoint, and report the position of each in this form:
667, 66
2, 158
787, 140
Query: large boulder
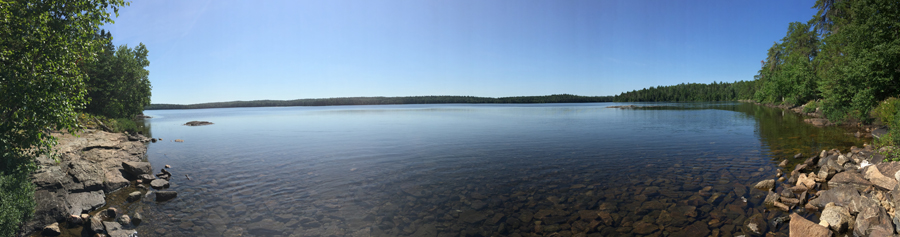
837, 217
876, 177
801, 227
114, 180
872, 220
849, 179
136, 169
841, 196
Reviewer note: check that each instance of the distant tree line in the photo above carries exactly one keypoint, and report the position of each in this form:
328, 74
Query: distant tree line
560, 98
716, 91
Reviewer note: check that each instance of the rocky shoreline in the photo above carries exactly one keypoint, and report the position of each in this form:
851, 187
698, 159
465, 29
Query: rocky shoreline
854, 193
89, 168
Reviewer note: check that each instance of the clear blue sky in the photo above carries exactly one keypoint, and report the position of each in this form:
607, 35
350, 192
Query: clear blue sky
207, 51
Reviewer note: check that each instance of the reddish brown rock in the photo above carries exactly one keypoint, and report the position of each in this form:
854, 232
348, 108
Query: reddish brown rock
801, 227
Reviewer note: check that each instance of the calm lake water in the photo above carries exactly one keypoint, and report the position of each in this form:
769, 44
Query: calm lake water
473, 170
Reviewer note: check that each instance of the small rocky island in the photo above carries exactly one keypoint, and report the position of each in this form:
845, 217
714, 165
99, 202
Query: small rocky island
197, 123
74, 183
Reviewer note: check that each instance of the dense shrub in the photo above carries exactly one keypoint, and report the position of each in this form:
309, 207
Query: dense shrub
886, 112
811, 106
16, 197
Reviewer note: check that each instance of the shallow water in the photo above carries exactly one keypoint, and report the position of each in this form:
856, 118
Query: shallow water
472, 170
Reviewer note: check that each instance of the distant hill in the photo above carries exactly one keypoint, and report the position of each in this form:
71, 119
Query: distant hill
560, 98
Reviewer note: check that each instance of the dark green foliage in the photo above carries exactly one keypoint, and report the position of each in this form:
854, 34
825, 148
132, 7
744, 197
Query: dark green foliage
788, 76
741, 90
42, 44
16, 197
562, 98
811, 106
118, 85
848, 56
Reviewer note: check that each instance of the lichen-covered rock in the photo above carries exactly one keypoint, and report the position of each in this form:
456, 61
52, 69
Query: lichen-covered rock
837, 217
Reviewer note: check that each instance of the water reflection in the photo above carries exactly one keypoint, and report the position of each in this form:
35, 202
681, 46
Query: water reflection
472, 170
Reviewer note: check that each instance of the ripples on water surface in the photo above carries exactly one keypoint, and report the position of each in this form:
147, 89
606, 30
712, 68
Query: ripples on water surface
472, 170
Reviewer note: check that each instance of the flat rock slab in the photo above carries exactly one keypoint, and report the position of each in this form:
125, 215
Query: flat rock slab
159, 183
87, 176
800, 226
85, 202
850, 179
841, 196
136, 169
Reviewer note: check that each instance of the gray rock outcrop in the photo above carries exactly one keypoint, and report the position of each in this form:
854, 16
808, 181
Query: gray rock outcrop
88, 166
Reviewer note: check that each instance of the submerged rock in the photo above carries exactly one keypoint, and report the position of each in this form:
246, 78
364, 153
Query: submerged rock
765, 184
114, 229
134, 196
162, 196
137, 219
